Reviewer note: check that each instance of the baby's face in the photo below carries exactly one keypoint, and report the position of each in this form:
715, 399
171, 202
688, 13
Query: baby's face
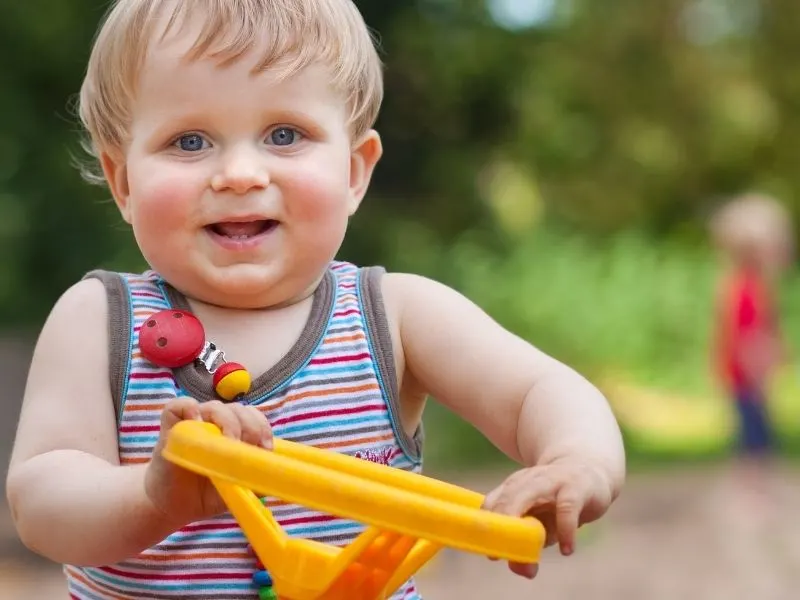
238, 185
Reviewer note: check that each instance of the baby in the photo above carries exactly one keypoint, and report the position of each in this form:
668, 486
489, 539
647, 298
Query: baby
236, 139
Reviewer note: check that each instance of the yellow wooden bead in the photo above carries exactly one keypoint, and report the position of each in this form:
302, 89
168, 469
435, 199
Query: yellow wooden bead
231, 380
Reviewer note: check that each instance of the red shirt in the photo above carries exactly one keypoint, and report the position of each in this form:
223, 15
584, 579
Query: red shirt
745, 315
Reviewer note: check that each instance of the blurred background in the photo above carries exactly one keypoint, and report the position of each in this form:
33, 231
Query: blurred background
555, 160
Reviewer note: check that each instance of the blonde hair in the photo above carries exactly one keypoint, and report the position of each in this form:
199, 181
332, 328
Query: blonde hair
750, 223
292, 33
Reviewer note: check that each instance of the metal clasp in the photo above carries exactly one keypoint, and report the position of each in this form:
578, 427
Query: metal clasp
211, 355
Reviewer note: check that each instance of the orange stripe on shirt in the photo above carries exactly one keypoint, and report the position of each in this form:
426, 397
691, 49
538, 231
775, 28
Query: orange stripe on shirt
356, 337
355, 441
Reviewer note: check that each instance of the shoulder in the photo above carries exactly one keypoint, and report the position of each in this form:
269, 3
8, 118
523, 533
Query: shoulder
93, 309
86, 298
407, 298
77, 319
730, 288
411, 292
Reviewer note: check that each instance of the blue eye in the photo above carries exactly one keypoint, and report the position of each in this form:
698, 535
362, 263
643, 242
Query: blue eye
191, 142
284, 136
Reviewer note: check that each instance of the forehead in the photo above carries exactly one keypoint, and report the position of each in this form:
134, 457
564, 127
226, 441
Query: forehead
173, 72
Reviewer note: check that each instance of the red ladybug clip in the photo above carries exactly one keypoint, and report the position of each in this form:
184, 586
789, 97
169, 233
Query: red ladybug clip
171, 338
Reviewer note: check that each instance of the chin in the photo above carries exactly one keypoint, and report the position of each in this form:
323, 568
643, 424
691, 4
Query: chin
244, 286
253, 286
240, 286
235, 302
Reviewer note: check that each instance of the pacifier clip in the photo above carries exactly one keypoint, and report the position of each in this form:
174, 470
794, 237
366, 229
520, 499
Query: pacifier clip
175, 338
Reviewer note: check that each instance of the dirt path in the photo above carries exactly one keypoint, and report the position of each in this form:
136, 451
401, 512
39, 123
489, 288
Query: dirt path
677, 534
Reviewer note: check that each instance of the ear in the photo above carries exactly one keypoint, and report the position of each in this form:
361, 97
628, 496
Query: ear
116, 174
363, 157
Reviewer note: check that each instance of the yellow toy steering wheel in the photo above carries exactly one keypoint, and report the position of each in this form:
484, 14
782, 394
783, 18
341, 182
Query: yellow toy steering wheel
410, 517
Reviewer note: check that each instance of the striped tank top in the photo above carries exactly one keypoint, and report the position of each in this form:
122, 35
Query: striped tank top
336, 388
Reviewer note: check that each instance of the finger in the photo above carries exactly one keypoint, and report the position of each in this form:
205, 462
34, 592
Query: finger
489, 502
177, 410
264, 429
255, 426
490, 499
223, 417
569, 504
521, 495
528, 571
548, 520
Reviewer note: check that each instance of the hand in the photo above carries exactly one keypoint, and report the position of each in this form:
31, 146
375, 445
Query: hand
185, 496
563, 496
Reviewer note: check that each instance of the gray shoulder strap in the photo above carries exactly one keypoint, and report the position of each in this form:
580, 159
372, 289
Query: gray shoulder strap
119, 333
380, 338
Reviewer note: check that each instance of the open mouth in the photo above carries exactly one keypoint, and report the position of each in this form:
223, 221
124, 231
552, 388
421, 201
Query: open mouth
240, 231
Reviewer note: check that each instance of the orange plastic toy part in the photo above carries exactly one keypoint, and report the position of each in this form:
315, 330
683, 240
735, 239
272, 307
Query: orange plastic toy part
409, 517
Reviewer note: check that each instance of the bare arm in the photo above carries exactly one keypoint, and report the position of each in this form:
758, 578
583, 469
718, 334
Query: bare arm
564, 417
70, 499
535, 409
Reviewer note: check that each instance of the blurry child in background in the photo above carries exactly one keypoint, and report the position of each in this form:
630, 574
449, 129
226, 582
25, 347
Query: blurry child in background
754, 234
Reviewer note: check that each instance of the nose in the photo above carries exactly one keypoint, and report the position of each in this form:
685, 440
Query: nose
241, 170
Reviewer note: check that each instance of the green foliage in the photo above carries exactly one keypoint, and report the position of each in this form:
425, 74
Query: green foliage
623, 303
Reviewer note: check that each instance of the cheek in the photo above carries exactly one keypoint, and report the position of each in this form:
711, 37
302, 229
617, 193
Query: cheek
162, 196
319, 191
